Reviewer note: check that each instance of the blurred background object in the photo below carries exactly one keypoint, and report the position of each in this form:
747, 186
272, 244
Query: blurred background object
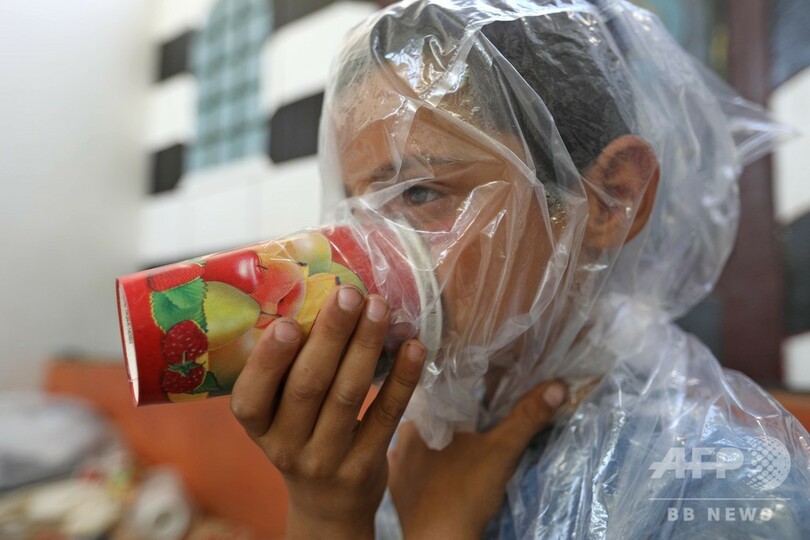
79, 462
161, 510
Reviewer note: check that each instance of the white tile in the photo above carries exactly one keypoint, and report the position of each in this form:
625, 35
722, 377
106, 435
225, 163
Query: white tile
226, 202
792, 160
171, 18
233, 174
291, 198
296, 58
172, 112
166, 229
796, 354
221, 220
230, 207
211, 210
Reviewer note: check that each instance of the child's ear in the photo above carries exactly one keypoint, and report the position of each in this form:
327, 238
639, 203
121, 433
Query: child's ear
623, 178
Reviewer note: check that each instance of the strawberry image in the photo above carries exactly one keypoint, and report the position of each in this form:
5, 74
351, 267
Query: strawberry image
183, 377
174, 276
184, 342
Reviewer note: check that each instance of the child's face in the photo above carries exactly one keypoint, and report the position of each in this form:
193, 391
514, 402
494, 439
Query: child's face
484, 219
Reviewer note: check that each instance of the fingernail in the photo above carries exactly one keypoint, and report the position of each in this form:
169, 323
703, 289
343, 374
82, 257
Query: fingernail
414, 351
377, 309
554, 395
285, 331
349, 298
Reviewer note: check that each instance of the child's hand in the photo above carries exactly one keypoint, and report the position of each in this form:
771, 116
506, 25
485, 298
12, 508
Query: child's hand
454, 492
334, 466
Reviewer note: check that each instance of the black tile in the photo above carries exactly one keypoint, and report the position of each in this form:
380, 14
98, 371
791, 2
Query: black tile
797, 279
789, 39
705, 321
175, 55
286, 11
294, 129
167, 168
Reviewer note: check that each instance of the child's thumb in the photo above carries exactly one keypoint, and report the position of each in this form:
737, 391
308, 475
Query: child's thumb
531, 414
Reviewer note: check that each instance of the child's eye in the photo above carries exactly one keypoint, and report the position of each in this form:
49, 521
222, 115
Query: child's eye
419, 195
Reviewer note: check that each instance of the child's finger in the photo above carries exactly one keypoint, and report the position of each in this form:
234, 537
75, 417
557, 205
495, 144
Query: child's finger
531, 414
254, 392
338, 418
382, 418
311, 375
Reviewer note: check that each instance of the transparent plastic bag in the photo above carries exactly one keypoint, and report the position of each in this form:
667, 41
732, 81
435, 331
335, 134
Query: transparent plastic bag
573, 174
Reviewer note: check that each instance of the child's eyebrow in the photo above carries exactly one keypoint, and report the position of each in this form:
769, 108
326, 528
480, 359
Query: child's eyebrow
383, 172
387, 171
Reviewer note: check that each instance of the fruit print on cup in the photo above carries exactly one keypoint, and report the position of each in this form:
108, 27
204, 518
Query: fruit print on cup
188, 328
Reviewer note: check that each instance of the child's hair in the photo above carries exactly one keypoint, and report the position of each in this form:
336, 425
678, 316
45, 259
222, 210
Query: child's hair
570, 76
564, 57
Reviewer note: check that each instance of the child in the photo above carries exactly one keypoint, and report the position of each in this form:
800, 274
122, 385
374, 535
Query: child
572, 175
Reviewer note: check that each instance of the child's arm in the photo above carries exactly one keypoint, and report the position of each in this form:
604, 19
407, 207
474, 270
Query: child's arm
334, 466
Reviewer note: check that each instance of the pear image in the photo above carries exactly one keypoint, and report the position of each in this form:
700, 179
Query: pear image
227, 362
318, 289
310, 248
229, 313
346, 276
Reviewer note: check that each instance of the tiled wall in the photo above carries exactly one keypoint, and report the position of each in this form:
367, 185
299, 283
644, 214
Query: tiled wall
196, 210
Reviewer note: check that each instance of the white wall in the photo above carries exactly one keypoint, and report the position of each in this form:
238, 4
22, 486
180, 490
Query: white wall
73, 80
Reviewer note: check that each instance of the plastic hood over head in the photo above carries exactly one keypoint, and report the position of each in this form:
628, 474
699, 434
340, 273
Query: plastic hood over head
559, 159
572, 175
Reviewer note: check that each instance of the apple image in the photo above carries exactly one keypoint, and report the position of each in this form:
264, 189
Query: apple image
291, 303
348, 253
397, 282
282, 288
241, 269
173, 276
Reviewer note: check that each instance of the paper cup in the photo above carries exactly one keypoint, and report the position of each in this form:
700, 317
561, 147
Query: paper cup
188, 328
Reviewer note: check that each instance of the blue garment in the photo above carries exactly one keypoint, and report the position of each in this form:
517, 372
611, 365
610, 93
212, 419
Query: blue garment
592, 475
